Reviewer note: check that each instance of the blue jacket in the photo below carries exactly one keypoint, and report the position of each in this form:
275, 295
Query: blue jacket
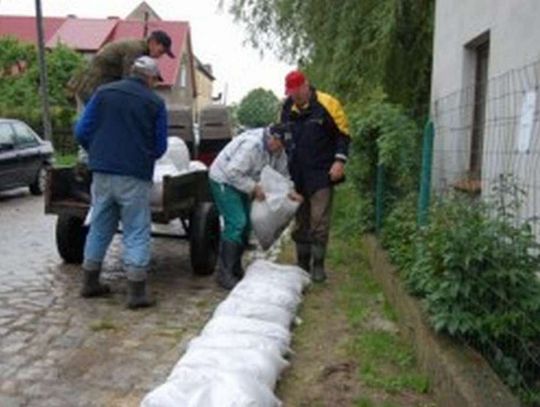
124, 129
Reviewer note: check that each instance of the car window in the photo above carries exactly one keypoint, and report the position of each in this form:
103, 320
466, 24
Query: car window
6, 135
24, 135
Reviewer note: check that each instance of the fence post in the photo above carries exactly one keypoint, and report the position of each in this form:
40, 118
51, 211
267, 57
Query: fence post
425, 177
379, 206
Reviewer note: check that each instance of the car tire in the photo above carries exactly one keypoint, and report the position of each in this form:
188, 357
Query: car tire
38, 186
204, 232
70, 238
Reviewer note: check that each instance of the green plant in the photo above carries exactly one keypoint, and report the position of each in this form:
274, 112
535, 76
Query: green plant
382, 134
475, 266
19, 77
399, 232
258, 108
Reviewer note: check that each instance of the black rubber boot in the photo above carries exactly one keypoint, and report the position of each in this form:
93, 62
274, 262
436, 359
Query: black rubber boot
303, 256
91, 285
318, 274
238, 271
228, 260
137, 295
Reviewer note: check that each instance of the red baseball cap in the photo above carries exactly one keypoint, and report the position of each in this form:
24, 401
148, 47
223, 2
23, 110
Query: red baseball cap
293, 81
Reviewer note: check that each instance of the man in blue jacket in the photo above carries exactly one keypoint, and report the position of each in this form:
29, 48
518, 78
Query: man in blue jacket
124, 131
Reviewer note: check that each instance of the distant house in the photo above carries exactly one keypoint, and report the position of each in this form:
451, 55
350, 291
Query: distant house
485, 108
88, 36
204, 79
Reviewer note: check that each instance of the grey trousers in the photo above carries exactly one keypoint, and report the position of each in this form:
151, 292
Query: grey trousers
312, 221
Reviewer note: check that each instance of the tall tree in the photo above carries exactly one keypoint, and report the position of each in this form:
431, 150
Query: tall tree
351, 47
258, 108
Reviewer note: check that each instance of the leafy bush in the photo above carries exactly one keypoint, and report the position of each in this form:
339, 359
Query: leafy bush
399, 232
382, 134
19, 79
475, 267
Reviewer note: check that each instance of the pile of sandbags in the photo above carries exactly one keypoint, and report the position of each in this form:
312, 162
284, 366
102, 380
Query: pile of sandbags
174, 162
240, 354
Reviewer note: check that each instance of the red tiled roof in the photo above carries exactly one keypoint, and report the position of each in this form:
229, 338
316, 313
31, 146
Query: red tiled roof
83, 34
24, 28
90, 35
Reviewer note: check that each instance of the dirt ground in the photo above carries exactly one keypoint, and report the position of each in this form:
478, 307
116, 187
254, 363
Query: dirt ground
329, 367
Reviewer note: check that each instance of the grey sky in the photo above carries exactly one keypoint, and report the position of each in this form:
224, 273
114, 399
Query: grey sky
215, 38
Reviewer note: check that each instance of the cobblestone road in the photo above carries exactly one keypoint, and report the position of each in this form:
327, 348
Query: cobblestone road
57, 349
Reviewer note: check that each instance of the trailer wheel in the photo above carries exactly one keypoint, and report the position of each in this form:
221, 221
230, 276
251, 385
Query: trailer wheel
70, 238
204, 238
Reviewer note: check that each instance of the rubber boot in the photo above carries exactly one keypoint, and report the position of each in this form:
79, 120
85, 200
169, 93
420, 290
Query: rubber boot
91, 285
238, 271
228, 255
318, 274
303, 256
138, 296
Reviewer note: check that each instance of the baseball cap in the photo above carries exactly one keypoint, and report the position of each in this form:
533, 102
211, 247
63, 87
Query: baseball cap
293, 81
163, 38
278, 131
148, 66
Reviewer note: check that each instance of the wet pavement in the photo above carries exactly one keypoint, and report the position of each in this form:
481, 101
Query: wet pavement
57, 349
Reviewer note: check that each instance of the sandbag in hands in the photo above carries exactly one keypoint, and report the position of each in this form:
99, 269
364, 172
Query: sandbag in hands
271, 214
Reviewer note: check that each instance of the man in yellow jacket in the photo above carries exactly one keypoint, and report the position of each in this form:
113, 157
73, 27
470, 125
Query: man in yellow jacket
317, 153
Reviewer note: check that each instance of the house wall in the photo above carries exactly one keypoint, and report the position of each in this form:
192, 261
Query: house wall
513, 29
141, 11
204, 90
178, 94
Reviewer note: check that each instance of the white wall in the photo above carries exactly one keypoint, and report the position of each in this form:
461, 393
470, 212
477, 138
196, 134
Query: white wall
513, 70
514, 27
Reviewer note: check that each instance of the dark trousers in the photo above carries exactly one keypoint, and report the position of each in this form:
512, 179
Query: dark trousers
312, 222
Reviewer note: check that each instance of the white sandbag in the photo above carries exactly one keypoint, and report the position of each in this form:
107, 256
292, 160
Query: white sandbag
177, 153
174, 162
197, 166
239, 355
237, 340
241, 307
210, 387
270, 330
264, 365
162, 169
267, 293
270, 217
292, 277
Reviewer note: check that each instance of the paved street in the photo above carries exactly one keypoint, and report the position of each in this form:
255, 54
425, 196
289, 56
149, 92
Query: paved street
57, 349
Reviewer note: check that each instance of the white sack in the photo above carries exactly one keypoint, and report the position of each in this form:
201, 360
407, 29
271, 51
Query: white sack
227, 325
210, 387
174, 162
247, 308
270, 217
197, 166
267, 293
177, 153
286, 276
235, 341
263, 365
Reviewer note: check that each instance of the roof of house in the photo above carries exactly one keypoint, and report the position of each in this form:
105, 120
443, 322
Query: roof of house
24, 28
89, 35
205, 69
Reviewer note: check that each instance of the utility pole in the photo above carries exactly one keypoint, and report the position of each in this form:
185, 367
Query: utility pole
43, 79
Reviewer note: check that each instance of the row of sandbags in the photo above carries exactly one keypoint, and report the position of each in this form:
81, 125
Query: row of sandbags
241, 352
